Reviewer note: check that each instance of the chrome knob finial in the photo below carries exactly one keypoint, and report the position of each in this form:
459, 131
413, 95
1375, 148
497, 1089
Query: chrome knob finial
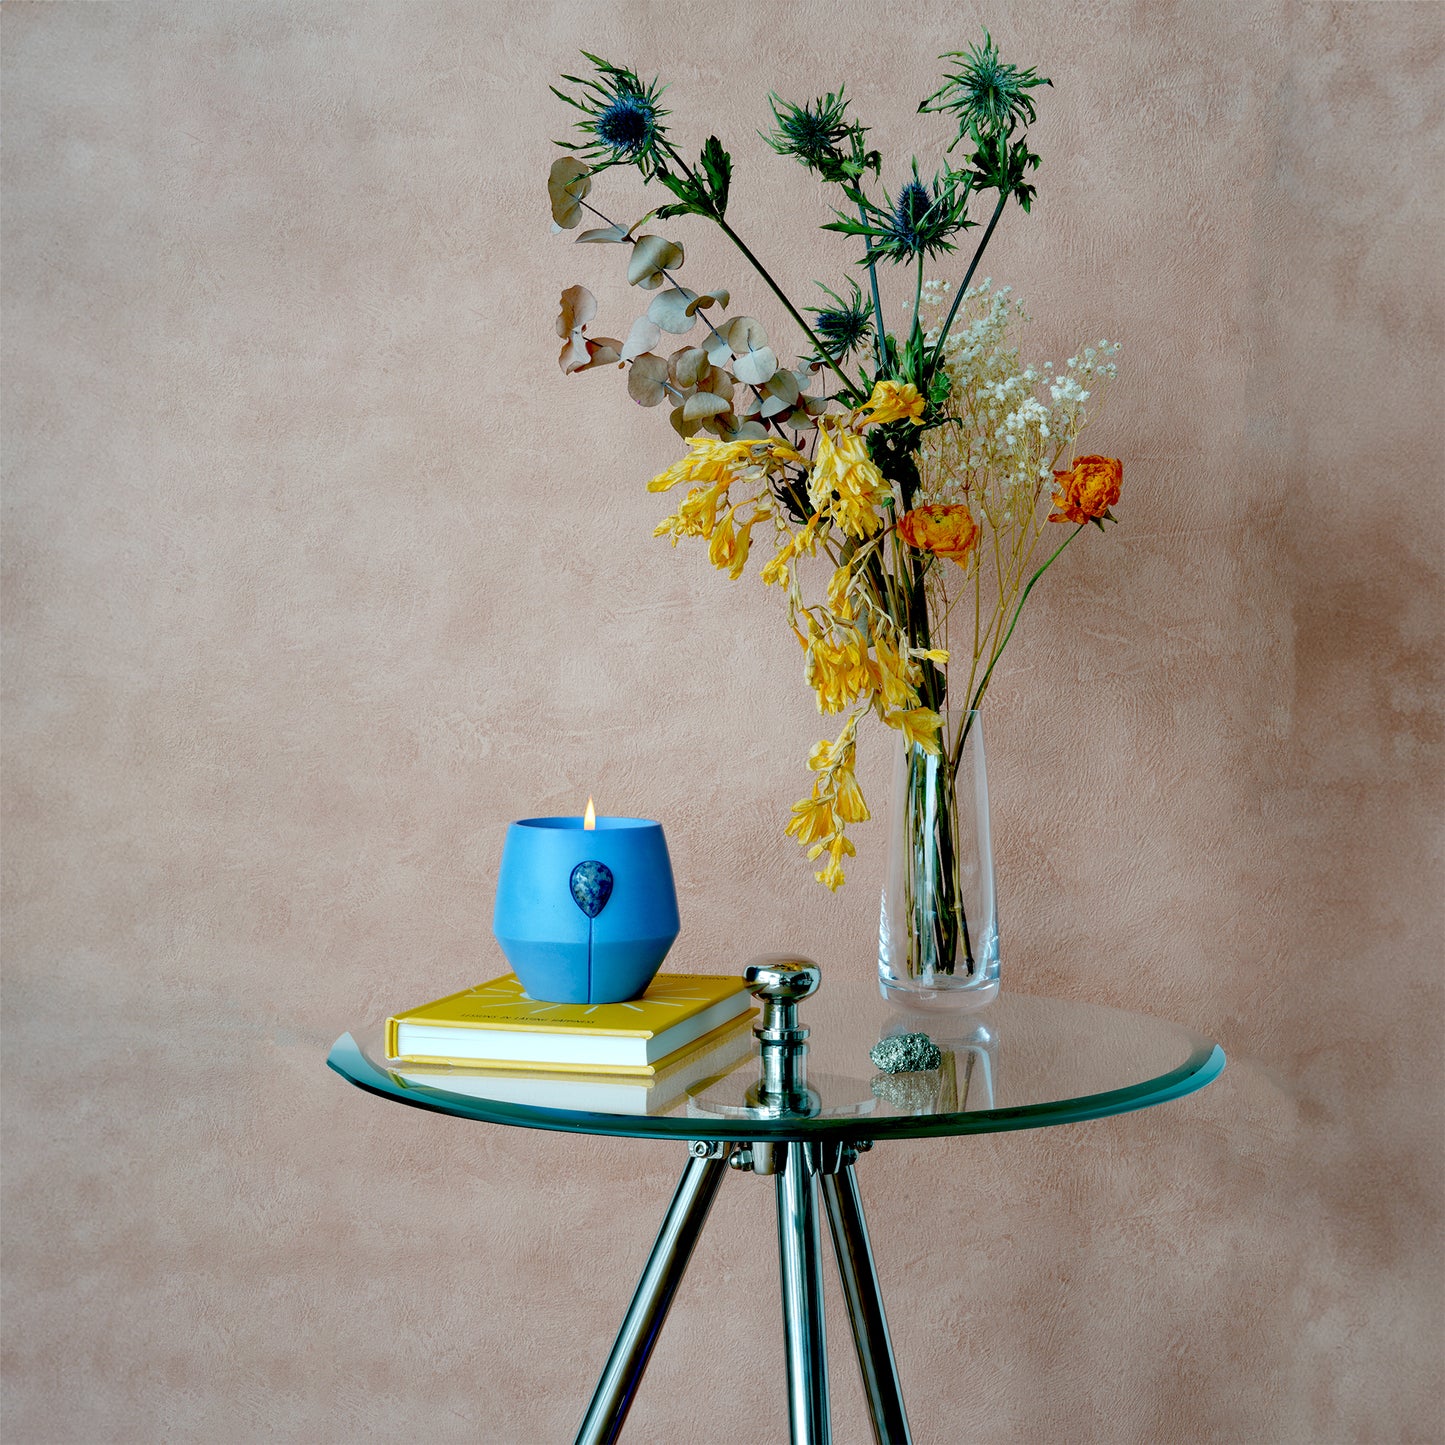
782, 975
779, 983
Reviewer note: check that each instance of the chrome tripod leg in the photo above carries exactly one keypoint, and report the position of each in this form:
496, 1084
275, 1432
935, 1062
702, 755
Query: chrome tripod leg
800, 1263
865, 1307
622, 1374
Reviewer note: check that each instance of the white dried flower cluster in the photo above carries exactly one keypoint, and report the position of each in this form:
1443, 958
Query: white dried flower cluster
1010, 424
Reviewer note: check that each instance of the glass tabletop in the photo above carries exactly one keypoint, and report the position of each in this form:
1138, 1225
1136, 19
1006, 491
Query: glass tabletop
1021, 1063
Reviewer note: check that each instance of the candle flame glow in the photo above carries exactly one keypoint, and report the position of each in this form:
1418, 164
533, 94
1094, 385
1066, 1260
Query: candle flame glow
589, 818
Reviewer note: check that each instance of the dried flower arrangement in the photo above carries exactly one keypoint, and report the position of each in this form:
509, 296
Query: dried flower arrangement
917, 471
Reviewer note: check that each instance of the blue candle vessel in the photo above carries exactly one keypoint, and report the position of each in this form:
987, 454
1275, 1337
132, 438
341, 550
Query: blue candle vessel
585, 915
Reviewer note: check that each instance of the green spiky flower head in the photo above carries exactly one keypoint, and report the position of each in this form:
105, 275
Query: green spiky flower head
987, 96
820, 136
846, 324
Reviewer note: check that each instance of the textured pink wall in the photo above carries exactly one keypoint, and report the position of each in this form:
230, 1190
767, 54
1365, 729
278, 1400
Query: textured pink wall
317, 572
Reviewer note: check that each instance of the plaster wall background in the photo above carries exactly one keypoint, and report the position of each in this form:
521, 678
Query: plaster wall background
317, 572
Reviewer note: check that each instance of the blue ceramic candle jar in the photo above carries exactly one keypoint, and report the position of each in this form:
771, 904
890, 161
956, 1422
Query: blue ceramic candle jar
585, 915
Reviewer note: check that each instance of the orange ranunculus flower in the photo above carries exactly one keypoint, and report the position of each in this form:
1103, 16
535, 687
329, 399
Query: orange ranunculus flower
1087, 490
947, 531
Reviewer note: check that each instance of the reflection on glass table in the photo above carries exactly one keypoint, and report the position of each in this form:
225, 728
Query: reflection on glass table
792, 1092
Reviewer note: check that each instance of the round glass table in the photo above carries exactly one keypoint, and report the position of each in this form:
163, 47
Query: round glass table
791, 1091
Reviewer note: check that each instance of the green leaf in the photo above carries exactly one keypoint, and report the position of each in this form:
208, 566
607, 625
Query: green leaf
717, 166
847, 227
690, 201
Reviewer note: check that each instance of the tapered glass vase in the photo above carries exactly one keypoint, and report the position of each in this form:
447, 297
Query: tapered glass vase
938, 928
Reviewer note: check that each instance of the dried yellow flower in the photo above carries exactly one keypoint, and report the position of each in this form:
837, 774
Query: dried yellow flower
893, 401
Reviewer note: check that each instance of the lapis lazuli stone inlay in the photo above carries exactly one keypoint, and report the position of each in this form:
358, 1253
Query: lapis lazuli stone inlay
591, 886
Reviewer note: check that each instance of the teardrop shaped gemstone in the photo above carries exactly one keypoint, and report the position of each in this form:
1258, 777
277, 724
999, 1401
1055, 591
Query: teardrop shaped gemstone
591, 886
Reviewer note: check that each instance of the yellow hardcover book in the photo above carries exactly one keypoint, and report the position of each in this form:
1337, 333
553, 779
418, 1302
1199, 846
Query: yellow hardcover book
699, 1064
496, 1023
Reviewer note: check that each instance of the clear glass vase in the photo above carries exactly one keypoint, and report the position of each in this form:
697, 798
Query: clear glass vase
938, 928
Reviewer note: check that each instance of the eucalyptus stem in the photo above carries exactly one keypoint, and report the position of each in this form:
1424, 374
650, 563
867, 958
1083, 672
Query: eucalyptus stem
762, 271
706, 321
767, 421
788, 306
1003, 196
632, 241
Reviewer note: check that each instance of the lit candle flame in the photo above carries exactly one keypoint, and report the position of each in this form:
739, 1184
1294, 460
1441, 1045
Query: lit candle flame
589, 818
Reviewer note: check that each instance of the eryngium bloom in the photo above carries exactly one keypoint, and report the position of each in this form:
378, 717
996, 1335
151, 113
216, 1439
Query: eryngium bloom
921, 222
910, 213
821, 137
627, 125
844, 326
985, 94
622, 121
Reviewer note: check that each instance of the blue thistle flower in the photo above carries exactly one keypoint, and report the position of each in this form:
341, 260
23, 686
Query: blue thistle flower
841, 331
821, 137
809, 132
621, 120
910, 214
920, 222
845, 325
627, 125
